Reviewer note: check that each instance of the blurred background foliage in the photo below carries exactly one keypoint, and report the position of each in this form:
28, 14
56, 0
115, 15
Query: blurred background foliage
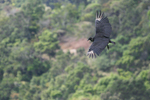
34, 67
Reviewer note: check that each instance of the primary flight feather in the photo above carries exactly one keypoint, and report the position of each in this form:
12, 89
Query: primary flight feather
102, 36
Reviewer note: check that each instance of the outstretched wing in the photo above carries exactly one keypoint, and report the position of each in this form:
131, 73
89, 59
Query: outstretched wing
97, 46
102, 25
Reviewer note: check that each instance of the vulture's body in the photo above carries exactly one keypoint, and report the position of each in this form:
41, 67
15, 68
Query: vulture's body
102, 36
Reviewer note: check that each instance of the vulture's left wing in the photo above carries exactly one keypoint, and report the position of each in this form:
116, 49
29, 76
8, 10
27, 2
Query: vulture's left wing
102, 25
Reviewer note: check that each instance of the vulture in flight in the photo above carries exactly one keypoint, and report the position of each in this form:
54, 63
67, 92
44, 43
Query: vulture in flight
102, 36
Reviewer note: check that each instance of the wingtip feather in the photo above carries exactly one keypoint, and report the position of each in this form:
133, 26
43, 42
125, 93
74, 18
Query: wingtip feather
99, 15
91, 54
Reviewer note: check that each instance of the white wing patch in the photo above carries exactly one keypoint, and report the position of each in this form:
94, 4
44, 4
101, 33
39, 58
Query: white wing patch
99, 16
91, 53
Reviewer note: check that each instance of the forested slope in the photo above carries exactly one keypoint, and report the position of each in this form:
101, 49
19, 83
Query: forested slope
34, 67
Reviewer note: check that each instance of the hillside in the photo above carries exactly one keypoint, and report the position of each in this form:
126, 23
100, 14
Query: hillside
43, 45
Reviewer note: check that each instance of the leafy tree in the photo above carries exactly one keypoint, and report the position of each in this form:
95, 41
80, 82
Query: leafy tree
33, 11
134, 56
47, 43
6, 86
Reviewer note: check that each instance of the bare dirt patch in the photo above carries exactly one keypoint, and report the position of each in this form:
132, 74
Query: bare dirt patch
71, 43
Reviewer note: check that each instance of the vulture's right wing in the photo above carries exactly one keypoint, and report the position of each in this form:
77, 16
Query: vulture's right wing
97, 46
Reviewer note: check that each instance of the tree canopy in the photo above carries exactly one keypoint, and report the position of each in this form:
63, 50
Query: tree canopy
33, 65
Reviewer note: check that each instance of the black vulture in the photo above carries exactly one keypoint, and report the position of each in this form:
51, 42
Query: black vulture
102, 36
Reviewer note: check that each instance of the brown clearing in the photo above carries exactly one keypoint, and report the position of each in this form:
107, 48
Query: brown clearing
72, 44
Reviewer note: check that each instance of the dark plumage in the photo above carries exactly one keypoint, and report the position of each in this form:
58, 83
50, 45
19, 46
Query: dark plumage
102, 36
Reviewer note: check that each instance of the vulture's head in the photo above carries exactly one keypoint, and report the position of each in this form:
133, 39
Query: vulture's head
91, 39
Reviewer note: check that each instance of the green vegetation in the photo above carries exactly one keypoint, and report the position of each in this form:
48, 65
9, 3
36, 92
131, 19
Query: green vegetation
33, 66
